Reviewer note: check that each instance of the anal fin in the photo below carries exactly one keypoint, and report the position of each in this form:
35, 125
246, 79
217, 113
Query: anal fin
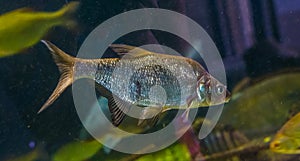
117, 107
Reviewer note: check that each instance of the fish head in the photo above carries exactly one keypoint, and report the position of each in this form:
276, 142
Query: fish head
286, 145
211, 92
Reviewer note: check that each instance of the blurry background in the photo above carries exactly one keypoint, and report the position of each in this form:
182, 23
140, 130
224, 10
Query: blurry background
254, 37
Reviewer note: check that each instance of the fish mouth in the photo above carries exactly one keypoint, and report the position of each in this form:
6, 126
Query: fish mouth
228, 96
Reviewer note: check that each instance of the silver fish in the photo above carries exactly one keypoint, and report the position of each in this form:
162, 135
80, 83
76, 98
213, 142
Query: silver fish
140, 78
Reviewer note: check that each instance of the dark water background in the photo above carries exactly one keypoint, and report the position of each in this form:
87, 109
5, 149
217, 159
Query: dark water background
271, 43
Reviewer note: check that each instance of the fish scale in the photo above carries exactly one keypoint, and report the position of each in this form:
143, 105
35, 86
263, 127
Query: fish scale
158, 71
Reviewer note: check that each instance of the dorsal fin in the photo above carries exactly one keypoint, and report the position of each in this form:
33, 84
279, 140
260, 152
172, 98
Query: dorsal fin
129, 51
25, 9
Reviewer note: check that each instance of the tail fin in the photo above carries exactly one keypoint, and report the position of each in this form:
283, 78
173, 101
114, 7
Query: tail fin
65, 64
66, 14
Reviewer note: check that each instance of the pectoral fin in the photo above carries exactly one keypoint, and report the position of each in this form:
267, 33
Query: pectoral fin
185, 115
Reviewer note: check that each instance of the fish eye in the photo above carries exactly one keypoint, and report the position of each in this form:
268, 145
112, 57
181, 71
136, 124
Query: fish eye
220, 89
276, 145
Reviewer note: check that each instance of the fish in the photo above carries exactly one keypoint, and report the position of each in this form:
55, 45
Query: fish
199, 88
77, 151
262, 108
287, 139
23, 28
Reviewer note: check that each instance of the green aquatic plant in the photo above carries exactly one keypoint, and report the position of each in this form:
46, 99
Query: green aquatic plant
77, 151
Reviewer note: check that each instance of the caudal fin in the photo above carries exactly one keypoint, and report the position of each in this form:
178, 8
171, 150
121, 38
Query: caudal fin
65, 64
65, 15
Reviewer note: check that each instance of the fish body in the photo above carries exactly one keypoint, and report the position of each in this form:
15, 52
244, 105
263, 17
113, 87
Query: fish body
112, 74
155, 82
22, 28
264, 107
287, 139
